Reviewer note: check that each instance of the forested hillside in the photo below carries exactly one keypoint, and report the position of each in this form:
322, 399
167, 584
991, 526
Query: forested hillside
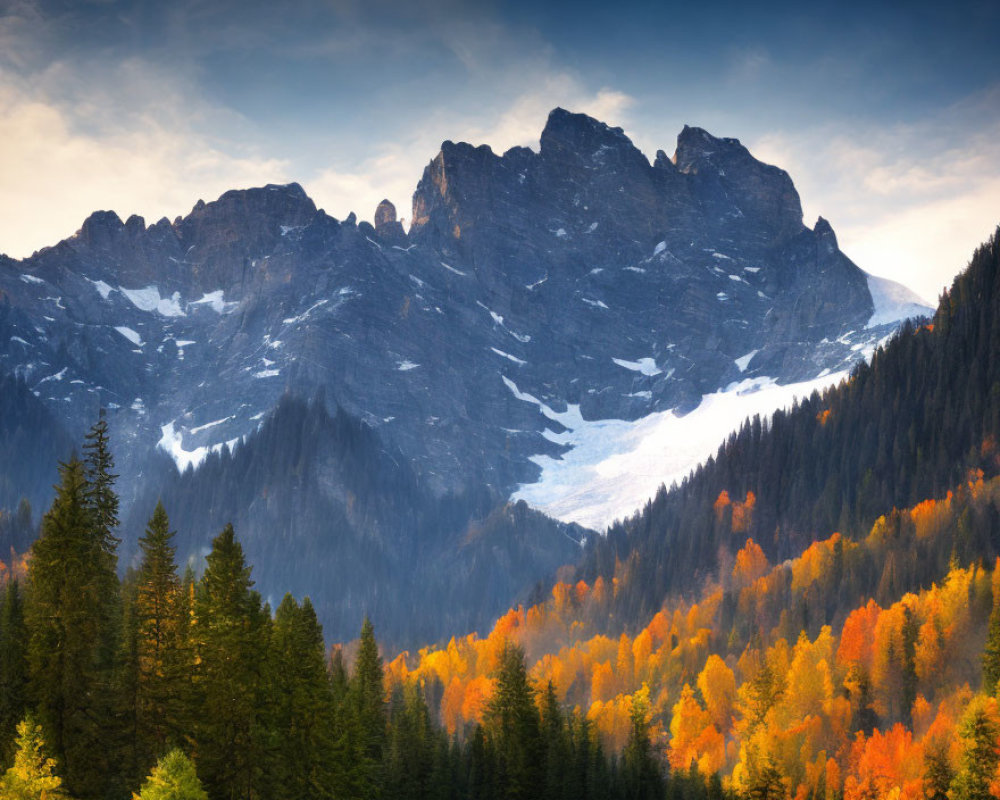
906, 427
813, 614
331, 511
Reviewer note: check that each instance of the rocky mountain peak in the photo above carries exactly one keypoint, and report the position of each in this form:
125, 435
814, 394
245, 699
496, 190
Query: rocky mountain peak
386, 225
581, 138
100, 229
824, 233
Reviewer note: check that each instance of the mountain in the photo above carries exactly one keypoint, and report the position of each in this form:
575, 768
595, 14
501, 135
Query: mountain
918, 421
534, 296
815, 612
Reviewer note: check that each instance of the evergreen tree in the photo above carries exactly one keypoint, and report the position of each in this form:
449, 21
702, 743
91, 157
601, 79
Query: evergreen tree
409, 753
160, 647
367, 692
911, 633
101, 496
13, 669
302, 701
33, 775
640, 772
513, 728
979, 755
230, 635
555, 744
991, 653
938, 773
72, 582
173, 778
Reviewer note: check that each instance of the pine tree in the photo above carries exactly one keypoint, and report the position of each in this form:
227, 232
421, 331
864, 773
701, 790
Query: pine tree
409, 753
73, 592
33, 775
991, 653
230, 635
13, 669
979, 755
160, 650
938, 773
101, 496
641, 775
173, 778
513, 728
302, 701
367, 691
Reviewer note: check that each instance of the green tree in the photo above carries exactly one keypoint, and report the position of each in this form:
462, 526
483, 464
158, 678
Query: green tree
301, 700
33, 775
640, 772
991, 653
409, 754
173, 778
938, 773
230, 636
101, 497
979, 754
72, 590
13, 668
367, 699
159, 644
513, 728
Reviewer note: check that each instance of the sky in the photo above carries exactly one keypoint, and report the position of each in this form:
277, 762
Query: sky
887, 116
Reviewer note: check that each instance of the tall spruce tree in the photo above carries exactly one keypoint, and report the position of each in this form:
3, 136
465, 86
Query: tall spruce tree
73, 591
513, 728
367, 691
159, 643
302, 702
230, 635
640, 773
101, 496
13, 669
978, 768
991, 653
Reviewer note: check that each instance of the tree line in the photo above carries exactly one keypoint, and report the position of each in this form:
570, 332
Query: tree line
176, 686
907, 426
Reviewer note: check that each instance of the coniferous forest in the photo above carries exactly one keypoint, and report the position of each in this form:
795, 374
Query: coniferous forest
815, 613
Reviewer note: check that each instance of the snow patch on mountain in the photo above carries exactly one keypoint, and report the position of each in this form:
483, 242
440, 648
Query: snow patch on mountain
103, 289
647, 366
129, 334
894, 302
615, 465
149, 299
215, 301
744, 361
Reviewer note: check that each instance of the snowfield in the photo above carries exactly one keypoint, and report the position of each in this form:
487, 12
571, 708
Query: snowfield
615, 466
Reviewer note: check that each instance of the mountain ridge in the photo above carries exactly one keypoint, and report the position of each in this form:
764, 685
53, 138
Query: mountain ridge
533, 292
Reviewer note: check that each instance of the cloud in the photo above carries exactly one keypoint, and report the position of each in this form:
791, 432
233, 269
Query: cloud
61, 161
908, 201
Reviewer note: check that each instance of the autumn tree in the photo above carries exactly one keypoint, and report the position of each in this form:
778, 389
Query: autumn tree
33, 775
173, 778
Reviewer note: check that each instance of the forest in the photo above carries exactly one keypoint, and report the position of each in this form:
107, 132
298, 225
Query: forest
163, 685
815, 613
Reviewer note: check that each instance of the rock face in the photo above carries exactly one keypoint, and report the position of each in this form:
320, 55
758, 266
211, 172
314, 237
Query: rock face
580, 274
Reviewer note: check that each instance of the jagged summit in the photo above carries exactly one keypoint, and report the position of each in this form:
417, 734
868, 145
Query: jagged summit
536, 296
